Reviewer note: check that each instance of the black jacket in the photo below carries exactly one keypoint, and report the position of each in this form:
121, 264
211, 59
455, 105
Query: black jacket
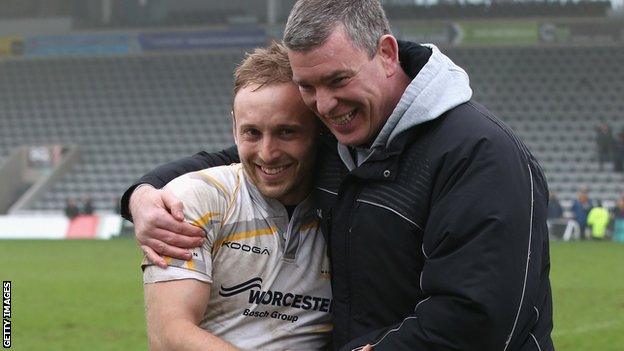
437, 242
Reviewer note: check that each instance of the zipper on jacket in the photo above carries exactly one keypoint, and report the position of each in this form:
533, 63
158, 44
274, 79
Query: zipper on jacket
328, 226
350, 266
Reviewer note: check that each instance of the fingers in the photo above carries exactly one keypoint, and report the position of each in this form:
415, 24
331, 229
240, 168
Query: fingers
183, 228
163, 249
169, 234
169, 243
367, 348
154, 257
174, 205
161, 219
185, 241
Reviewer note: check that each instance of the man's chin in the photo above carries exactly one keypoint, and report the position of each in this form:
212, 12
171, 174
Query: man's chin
272, 191
350, 139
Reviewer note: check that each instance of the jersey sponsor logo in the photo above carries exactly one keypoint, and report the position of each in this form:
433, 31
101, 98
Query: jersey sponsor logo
247, 248
277, 298
242, 287
273, 314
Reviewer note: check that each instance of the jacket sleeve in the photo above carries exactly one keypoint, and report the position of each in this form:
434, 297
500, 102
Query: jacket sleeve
487, 213
163, 174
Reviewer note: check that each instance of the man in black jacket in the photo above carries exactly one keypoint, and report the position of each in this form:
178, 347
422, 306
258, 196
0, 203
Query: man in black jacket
434, 211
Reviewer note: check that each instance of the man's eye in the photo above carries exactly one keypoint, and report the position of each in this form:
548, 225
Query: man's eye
251, 132
287, 132
339, 80
305, 87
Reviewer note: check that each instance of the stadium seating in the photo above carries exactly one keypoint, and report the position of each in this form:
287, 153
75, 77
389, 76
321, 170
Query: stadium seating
129, 114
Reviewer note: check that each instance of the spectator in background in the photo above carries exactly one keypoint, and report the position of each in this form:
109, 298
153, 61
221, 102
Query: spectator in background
581, 207
598, 221
618, 220
555, 211
87, 205
604, 144
71, 209
618, 152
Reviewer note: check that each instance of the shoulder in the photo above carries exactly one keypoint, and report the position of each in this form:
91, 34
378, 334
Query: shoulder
208, 188
471, 126
223, 180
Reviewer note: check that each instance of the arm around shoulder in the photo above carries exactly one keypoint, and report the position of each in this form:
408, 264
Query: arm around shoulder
163, 174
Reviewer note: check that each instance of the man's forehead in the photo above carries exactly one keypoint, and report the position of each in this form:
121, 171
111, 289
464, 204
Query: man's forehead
267, 123
324, 62
319, 68
321, 74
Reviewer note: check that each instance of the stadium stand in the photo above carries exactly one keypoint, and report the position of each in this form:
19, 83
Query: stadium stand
129, 114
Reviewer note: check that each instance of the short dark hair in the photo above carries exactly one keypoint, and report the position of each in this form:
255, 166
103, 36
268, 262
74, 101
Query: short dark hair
311, 22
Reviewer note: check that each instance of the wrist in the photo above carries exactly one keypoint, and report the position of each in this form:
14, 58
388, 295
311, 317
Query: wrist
137, 195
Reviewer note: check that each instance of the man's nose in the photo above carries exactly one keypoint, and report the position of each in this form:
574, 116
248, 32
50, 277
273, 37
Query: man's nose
269, 150
325, 102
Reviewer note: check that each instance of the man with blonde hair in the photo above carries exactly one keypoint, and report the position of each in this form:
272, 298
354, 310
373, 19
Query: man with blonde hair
261, 279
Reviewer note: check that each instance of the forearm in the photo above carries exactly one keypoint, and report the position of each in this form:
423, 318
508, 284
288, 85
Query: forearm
183, 335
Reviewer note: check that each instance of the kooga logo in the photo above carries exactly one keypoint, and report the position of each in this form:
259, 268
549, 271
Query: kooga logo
276, 298
244, 247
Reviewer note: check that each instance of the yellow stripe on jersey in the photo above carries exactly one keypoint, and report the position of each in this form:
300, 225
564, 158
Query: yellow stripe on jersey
230, 206
243, 235
323, 328
203, 220
309, 226
216, 183
190, 264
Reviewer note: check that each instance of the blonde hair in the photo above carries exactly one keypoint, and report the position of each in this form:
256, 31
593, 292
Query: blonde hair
262, 67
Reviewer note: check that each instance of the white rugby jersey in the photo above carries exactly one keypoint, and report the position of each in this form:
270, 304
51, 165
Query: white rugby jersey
270, 276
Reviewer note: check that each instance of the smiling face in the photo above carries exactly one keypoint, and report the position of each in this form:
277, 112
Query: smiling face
350, 92
275, 134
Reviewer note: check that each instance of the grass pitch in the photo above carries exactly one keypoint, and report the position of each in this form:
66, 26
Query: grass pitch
75, 294
88, 295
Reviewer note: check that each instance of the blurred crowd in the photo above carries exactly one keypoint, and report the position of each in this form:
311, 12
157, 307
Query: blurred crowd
595, 221
74, 208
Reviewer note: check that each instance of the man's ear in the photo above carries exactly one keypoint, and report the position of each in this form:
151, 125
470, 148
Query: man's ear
388, 53
234, 126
